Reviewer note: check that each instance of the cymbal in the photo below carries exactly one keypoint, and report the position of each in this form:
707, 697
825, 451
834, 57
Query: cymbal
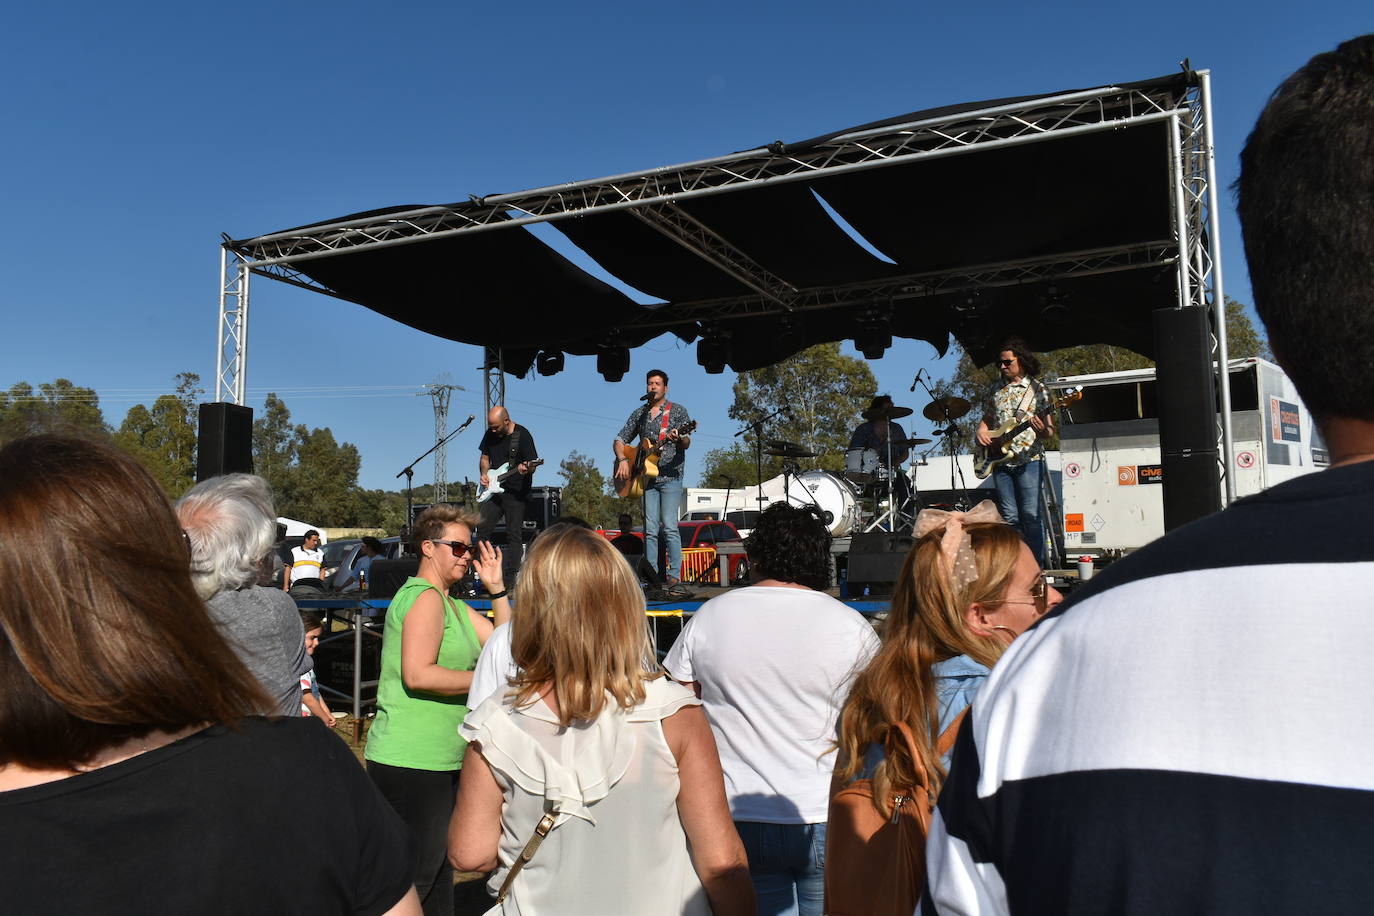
886, 413
791, 451
780, 443
946, 408
908, 443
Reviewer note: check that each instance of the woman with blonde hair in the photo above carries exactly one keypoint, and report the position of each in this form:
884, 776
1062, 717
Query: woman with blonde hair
968, 587
137, 773
593, 771
430, 645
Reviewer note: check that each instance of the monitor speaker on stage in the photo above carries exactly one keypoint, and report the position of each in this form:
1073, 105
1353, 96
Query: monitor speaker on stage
225, 440
385, 577
875, 562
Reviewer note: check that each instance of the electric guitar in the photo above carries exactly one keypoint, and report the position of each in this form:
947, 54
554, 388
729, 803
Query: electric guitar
643, 461
1003, 446
499, 477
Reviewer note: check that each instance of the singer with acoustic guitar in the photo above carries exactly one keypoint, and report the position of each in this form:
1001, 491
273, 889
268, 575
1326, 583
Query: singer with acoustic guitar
659, 429
1019, 395
506, 447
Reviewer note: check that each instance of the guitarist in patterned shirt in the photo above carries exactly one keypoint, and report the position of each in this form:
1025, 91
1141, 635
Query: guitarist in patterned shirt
660, 422
1019, 395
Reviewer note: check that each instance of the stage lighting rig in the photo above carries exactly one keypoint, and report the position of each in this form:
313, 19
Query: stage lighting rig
549, 362
874, 335
713, 352
613, 361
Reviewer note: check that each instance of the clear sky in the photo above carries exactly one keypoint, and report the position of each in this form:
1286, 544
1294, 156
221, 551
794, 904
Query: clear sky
135, 134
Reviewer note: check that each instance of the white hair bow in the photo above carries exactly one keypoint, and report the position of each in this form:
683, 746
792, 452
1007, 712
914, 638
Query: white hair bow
955, 544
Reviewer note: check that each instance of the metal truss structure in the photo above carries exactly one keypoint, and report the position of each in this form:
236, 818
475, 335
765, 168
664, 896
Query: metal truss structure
653, 196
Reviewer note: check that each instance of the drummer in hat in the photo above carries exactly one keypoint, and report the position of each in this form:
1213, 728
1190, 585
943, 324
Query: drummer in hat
878, 433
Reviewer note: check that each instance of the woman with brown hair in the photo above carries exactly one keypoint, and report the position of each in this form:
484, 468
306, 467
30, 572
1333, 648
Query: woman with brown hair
592, 747
968, 587
430, 645
130, 747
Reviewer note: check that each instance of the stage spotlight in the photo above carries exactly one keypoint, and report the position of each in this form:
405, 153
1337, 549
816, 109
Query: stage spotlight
549, 362
713, 353
873, 339
791, 338
1053, 308
613, 362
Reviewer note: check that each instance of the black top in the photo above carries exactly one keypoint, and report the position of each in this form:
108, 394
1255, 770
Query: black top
274, 817
517, 447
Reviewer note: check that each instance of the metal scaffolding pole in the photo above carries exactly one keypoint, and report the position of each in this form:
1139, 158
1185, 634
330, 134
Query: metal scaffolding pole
231, 352
1218, 290
494, 378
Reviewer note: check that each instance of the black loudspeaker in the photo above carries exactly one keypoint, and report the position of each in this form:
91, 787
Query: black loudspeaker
385, 577
1185, 389
875, 562
225, 440
543, 507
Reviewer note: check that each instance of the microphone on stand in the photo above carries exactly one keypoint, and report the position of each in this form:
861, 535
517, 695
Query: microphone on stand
471, 417
644, 397
916, 379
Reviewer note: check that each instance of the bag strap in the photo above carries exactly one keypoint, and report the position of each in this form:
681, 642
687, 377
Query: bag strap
541, 830
951, 733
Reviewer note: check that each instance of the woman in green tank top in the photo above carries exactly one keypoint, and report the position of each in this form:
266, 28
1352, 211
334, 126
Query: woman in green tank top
430, 645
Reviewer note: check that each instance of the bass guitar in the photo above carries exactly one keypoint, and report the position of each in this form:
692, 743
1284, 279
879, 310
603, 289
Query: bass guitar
643, 461
499, 477
1003, 446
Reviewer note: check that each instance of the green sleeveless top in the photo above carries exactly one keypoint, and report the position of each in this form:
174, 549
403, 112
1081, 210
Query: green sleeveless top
415, 729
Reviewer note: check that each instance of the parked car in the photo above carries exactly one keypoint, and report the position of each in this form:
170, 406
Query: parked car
341, 557
709, 534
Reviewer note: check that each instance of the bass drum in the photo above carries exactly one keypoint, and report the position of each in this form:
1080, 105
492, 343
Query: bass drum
835, 497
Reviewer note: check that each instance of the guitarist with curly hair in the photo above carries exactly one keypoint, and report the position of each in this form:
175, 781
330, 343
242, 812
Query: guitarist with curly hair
648, 459
1019, 397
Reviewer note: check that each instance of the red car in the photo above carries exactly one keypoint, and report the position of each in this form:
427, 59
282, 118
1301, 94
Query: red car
704, 534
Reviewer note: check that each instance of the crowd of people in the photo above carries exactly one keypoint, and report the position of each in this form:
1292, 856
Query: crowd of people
1186, 733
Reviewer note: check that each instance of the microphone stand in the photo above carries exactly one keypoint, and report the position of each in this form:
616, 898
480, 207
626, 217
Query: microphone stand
949, 433
409, 472
757, 427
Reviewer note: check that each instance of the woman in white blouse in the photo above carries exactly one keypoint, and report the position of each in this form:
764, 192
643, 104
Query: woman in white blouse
591, 734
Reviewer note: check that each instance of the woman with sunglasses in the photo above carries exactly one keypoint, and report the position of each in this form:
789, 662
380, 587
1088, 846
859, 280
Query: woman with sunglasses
968, 587
430, 645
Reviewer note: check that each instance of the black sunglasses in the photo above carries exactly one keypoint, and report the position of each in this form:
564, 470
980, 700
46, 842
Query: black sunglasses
458, 547
1006, 362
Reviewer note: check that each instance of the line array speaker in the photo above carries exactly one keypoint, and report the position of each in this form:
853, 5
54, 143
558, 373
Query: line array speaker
224, 440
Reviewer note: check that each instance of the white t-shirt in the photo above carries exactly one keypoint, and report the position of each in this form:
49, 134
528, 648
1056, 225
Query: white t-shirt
774, 664
495, 667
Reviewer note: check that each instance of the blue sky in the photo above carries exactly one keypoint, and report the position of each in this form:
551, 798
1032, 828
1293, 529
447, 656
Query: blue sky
134, 135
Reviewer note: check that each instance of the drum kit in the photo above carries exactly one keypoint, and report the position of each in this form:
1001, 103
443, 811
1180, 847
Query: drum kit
872, 493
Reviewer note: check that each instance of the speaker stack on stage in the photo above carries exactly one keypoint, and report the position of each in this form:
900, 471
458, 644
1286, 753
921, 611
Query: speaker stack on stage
224, 442
875, 562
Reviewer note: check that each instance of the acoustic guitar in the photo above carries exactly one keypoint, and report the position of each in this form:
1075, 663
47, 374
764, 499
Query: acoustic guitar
643, 460
1003, 446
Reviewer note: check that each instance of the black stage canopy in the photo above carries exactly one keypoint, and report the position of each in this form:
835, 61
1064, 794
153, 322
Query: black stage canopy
1064, 218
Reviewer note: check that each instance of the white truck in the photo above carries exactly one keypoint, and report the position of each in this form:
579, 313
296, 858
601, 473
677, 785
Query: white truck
1110, 454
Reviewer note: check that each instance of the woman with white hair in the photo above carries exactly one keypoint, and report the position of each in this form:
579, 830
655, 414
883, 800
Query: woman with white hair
230, 524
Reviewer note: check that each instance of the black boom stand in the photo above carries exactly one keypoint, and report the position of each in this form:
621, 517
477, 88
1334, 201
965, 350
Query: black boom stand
409, 472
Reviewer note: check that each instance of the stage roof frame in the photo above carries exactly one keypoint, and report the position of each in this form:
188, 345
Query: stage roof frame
745, 299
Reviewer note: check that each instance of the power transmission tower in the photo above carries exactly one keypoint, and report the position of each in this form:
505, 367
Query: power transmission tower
440, 394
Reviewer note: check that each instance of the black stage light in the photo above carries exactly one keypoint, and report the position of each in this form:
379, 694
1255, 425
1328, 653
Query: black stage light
873, 339
613, 362
549, 362
713, 353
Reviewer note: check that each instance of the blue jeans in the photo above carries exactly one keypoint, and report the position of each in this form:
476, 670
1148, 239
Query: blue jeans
662, 506
786, 865
1018, 499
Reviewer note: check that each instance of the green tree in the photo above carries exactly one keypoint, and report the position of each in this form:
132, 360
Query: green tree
57, 405
313, 476
822, 392
737, 465
163, 439
584, 490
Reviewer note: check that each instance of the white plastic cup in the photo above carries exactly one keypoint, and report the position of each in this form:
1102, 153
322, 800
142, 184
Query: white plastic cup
1085, 568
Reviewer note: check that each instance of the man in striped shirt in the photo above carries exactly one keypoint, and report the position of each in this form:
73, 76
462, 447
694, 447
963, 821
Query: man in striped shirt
1193, 732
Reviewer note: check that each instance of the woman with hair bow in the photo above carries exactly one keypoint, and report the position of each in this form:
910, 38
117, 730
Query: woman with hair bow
969, 586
